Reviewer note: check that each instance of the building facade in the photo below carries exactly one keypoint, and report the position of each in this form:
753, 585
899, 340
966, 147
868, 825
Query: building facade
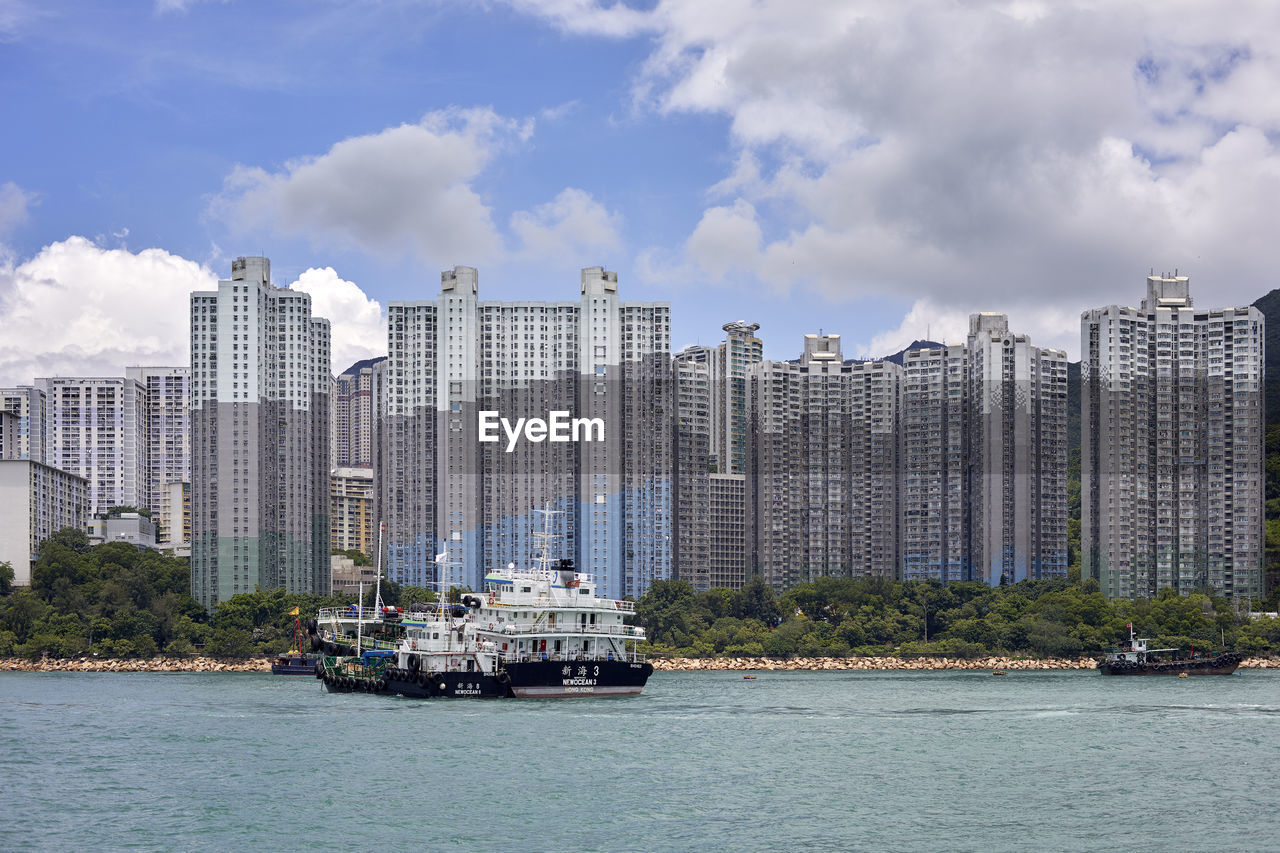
984, 459
38, 501
27, 404
96, 428
1172, 445
351, 523
259, 437
822, 484
605, 493
167, 443
355, 410
691, 445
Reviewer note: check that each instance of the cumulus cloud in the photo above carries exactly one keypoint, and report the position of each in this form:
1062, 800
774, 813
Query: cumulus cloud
572, 225
78, 309
356, 322
404, 190
1030, 157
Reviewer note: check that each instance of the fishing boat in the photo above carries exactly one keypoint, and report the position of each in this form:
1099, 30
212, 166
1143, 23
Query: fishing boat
1139, 659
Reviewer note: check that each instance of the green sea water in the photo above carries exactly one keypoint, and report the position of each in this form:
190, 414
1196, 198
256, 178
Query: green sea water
701, 761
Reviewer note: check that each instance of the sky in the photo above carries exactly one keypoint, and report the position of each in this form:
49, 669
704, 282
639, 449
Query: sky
879, 170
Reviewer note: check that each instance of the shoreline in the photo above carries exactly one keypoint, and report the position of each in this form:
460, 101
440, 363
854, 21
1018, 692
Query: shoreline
871, 664
890, 664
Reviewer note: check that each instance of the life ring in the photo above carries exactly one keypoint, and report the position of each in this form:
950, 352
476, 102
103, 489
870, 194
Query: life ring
617, 605
415, 645
503, 676
491, 626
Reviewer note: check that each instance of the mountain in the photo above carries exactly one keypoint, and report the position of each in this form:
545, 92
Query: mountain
363, 363
896, 358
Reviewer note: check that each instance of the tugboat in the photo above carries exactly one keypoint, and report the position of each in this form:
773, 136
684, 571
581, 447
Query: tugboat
1140, 660
295, 661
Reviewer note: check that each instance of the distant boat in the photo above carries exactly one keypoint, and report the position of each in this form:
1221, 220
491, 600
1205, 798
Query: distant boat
295, 661
1140, 660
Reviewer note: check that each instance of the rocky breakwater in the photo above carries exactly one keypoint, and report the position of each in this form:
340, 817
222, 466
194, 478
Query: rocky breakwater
151, 665
892, 663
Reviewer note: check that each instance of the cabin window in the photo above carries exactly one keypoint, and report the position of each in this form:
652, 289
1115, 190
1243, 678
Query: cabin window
557, 645
593, 619
436, 635
526, 589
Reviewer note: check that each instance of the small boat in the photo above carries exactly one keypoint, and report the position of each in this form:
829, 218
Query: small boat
749, 677
1138, 659
295, 661
998, 672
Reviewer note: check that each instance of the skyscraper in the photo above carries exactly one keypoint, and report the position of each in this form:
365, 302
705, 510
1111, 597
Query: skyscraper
96, 428
731, 361
691, 445
260, 438
600, 360
822, 483
355, 414
1172, 445
984, 491
167, 448
27, 404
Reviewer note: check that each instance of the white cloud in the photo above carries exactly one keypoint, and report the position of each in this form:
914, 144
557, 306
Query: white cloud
571, 226
356, 322
78, 309
404, 190
1029, 157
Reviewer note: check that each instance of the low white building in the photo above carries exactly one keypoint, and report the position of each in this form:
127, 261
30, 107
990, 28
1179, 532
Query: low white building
128, 527
38, 500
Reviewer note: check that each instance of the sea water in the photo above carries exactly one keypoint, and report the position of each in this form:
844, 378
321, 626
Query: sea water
701, 761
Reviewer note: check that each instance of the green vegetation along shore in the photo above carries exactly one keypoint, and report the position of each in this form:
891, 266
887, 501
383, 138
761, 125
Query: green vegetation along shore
115, 602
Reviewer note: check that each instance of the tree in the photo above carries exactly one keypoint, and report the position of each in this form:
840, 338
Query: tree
6, 578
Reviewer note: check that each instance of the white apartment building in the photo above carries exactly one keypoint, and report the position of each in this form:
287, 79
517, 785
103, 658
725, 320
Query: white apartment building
355, 411
96, 428
167, 458
984, 459
38, 501
479, 503
27, 404
1172, 449
260, 423
822, 487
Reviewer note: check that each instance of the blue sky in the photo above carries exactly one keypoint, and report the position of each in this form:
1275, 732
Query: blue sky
875, 169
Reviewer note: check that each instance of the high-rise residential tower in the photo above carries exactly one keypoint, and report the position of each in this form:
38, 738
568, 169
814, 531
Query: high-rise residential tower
1172, 444
458, 483
259, 438
167, 457
821, 492
984, 491
691, 445
1018, 455
355, 407
96, 428
27, 404
730, 421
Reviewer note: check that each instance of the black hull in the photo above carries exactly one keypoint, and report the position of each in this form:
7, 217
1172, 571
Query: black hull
446, 685
294, 665
552, 679
348, 684
1223, 664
